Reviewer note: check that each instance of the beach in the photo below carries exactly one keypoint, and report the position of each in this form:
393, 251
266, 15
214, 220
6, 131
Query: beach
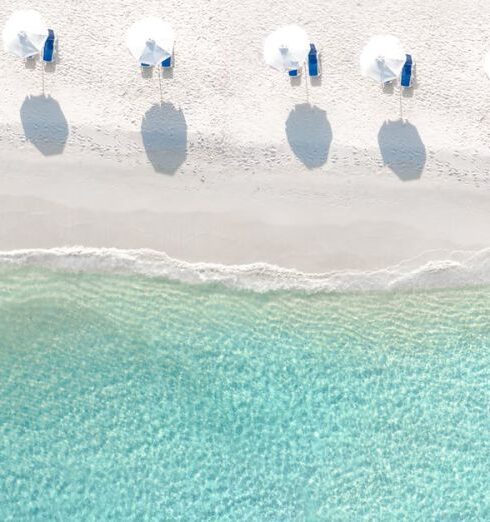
253, 168
226, 294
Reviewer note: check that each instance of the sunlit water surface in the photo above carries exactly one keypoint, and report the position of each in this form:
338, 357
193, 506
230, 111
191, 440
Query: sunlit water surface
125, 398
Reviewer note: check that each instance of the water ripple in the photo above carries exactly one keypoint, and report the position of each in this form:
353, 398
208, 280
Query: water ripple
132, 398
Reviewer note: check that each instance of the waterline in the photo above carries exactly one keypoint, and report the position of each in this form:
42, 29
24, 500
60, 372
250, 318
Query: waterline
435, 269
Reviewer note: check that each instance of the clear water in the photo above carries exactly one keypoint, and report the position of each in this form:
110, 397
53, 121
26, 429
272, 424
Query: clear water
124, 398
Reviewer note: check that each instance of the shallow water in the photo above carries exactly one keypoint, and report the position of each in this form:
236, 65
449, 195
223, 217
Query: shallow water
130, 398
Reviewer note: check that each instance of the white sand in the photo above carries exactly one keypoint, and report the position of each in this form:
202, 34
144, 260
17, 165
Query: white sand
241, 186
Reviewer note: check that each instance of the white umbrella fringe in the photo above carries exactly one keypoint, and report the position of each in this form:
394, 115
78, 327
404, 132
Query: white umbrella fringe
24, 33
286, 48
150, 40
382, 59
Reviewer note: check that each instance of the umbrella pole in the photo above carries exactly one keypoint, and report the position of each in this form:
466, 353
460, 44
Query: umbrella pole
160, 84
42, 78
306, 84
401, 105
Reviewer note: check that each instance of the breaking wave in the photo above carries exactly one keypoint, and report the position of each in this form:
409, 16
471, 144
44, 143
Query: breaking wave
455, 269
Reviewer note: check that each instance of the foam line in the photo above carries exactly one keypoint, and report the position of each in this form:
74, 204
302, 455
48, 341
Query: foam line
457, 269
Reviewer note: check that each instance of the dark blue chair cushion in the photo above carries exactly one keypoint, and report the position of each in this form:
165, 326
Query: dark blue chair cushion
406, 77
313, 61
48, 51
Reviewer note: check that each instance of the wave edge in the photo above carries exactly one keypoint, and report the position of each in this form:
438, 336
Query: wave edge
455, 269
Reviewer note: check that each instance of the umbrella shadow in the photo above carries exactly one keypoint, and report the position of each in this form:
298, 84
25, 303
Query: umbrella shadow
309, 134
164, 133
402, 149
44, 124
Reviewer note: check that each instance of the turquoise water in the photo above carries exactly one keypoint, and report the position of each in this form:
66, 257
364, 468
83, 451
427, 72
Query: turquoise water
124, 398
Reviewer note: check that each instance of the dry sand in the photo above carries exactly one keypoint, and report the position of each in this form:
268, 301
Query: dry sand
319, 176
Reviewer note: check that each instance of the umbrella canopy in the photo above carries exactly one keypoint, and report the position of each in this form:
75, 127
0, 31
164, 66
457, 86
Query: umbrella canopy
382, 58
150, 40
286, 48
25, 33
486, 64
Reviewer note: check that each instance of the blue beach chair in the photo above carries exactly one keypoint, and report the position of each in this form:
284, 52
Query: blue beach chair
313, 63
406, 76
145, 65
48, 51
294, 73
166, 64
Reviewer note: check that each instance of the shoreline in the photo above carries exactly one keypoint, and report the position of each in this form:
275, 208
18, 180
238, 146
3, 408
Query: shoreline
310, 221
431, 271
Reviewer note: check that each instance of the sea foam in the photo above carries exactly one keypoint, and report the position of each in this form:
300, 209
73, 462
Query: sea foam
430, 270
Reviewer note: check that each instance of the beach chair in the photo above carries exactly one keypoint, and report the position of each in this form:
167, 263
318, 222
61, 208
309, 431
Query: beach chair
313, 62
294, 73
145, 65
48, 51
168, 63
406, 76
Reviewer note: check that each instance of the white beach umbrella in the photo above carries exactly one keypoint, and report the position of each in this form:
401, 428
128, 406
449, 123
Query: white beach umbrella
150, 40
286, 48
382, 58
486, 64
25, 33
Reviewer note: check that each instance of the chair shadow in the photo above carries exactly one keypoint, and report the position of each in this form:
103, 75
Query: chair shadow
316, 81
31, 62
50, 67
402, 149
44, 124
389, 88
146, 72
164, 133
167, 73
309, 134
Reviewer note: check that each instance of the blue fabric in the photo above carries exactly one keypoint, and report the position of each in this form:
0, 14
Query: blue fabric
293, 72
48, 52
167, 63
313, 61
406, 77
145, 65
